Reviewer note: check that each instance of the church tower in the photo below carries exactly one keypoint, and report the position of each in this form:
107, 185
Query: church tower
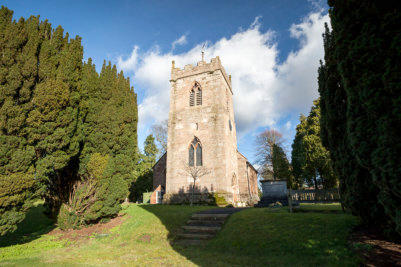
201, 129
202, 132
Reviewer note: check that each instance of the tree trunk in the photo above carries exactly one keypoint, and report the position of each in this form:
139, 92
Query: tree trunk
193, 191
315, 180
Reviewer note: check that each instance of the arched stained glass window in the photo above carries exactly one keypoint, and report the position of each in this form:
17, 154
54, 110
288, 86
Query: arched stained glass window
199, 155
195, 142
195, 153
192, 98
191, 155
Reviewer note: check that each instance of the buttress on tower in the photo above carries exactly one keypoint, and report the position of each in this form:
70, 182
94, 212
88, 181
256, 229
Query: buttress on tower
202, 132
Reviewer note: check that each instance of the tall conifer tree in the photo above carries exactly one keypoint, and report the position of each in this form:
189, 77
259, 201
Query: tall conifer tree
298, 156
55, 122
281, 166
110, 132
311, 160
360, 88
56, 117
19, 42
144, 171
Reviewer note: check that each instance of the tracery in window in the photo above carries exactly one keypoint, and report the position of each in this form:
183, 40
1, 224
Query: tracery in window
195, 153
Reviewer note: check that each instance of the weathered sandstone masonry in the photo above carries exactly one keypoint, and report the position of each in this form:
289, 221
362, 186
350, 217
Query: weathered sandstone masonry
201, 116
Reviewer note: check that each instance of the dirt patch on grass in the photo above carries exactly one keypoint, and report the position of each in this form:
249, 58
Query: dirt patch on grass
145, 238
98, 230
374, 248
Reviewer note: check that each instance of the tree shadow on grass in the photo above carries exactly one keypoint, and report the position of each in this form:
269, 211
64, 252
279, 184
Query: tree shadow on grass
35, 224
261, 237
175, 216
304, 210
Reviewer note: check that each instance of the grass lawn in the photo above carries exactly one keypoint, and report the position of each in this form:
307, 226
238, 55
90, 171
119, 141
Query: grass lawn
316, 235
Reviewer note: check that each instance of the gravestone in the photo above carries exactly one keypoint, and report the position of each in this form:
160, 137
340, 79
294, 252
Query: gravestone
273, 191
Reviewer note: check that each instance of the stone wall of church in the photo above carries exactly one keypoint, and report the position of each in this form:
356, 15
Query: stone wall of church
230, 174
248, 181
253, 181
209, 122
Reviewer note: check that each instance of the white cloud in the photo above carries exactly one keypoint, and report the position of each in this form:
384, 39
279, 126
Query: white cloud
130, 63
264, 89
180, 41
297, 76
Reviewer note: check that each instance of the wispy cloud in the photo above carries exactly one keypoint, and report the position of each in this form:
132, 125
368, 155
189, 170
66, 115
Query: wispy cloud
180, 41
130, 63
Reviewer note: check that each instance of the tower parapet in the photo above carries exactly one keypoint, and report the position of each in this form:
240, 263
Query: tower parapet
201, 67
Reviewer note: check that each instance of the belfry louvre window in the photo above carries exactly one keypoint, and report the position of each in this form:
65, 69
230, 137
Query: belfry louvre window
199, 97
192, 98
198, 91
195, 153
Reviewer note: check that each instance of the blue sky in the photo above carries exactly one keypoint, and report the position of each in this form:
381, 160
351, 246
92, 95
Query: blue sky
271, 48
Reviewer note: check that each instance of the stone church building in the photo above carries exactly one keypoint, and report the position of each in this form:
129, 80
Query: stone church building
202, 132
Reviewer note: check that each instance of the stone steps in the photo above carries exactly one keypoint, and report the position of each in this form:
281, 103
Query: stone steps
190, 242
205, 222
210, 217
204, 225
201, 229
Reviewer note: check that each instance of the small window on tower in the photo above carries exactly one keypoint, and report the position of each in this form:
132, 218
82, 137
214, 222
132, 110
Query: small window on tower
229, 125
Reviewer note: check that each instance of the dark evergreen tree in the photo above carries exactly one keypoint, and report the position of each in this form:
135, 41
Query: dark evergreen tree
144, 170
40, 72
312, 163
150, 149
281, 166
109, 153
361, 80
298, 156
54, 123
19, 42
61, 125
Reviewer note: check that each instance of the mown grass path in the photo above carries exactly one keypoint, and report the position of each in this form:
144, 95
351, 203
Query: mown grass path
252, 237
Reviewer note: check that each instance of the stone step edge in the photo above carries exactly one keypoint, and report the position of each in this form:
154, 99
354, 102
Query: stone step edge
205, 223
195, 236
214, 216
201, 228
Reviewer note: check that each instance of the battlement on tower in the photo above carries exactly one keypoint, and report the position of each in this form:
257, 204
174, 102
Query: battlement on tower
201, 67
